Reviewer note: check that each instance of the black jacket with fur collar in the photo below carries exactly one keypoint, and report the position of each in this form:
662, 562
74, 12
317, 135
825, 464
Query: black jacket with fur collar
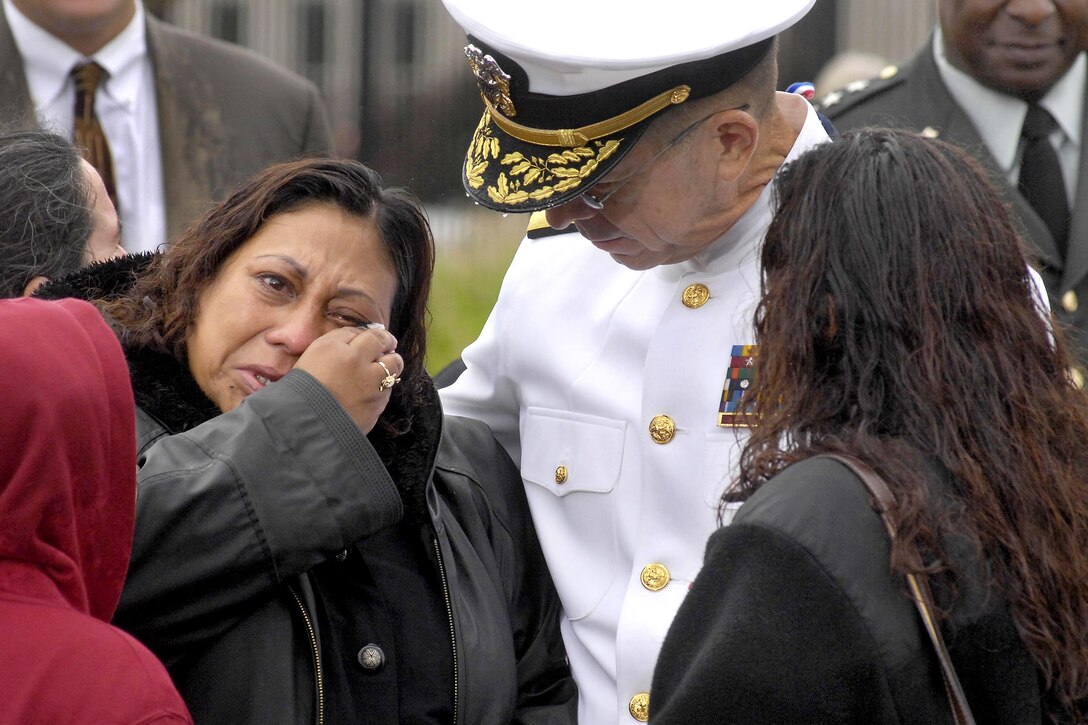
256, 527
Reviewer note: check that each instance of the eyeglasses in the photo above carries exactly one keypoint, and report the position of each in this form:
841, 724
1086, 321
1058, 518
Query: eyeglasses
597, 202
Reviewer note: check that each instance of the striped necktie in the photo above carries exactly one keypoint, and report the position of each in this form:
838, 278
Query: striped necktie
89, 135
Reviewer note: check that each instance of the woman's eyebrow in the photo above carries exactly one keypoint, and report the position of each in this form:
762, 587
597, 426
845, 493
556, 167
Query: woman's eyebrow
291, 262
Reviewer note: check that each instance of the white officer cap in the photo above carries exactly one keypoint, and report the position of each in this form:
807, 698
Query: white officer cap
569, 86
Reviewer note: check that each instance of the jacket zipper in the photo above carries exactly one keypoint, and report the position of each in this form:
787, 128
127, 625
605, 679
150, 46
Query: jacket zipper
317, 656
449, 616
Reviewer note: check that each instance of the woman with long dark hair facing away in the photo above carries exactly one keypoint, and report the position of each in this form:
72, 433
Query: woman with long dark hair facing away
898, 325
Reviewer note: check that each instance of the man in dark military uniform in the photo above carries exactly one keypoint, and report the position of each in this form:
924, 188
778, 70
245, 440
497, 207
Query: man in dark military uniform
989, 67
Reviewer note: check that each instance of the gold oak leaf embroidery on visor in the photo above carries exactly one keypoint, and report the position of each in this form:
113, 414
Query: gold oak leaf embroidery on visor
483, 147
531, 177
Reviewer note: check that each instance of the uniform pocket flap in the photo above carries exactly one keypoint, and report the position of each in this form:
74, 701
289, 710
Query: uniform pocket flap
566, 452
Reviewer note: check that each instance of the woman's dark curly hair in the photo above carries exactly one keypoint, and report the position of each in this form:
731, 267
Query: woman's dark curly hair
160, 310
898, 323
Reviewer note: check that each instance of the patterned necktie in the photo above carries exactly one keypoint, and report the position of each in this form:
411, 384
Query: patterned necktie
1041, 180
89, 135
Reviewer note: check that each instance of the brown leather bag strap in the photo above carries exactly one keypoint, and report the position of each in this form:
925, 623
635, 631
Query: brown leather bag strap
919, 587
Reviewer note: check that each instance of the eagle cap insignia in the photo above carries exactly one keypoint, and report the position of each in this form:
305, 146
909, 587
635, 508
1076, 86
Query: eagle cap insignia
494, 83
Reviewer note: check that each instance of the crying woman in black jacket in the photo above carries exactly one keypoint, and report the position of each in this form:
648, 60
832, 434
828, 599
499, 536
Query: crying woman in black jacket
314, 541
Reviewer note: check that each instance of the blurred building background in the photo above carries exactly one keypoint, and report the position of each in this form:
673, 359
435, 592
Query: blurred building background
398, 88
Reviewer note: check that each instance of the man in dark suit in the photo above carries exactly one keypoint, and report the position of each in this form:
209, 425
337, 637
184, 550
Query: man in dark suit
220, 112
987, 68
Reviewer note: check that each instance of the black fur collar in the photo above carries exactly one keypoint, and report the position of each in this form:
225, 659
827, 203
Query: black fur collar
163, 387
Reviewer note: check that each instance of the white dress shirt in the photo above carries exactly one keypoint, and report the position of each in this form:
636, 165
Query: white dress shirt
125, 105
998, 117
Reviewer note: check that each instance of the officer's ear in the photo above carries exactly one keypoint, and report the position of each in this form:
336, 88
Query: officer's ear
737, 134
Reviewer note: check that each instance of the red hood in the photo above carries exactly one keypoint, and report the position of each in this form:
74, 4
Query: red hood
67, 456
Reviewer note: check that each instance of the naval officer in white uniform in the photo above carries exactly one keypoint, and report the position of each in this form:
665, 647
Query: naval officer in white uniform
613, 361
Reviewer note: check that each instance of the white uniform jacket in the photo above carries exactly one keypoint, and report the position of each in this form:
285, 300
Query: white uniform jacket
578, 356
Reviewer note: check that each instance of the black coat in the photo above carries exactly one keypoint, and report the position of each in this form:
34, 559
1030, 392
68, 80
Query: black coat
246, 520
796, 617
914, 97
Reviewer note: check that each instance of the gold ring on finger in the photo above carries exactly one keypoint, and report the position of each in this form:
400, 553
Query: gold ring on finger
388, 381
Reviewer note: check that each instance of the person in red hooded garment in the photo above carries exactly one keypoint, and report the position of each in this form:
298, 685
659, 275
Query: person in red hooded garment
67, 503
